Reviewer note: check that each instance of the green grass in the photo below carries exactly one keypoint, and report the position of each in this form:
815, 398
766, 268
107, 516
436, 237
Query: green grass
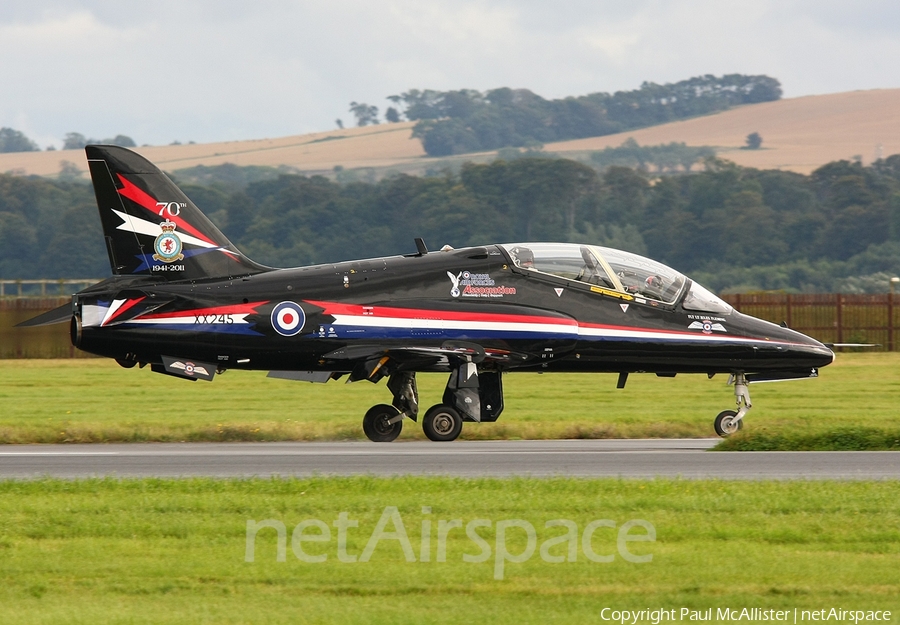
52, 401
838, 439
173, 551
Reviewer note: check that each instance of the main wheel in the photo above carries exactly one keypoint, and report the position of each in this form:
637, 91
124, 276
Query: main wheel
377, 426
442, 423
726, 425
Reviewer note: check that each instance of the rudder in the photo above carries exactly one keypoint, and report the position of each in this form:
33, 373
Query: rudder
152, 228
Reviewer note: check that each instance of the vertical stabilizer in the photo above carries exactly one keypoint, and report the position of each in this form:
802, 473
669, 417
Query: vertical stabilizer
150, 225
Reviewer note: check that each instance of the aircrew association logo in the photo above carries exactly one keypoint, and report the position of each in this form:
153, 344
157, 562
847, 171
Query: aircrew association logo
167, 244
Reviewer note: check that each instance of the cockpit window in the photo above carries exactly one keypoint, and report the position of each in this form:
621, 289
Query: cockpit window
698, 298
604, 267
572, 262
644, 277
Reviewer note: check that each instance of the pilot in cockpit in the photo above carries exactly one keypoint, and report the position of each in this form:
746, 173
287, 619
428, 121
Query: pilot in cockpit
523, 257
652, 286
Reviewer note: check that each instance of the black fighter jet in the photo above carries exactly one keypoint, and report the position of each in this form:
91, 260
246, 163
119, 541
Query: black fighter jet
185, 301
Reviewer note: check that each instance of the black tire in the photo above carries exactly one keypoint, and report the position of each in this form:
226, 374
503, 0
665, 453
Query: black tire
724, 423
376, 426
442, 423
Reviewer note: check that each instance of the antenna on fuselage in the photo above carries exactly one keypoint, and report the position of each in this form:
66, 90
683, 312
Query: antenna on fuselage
420, 246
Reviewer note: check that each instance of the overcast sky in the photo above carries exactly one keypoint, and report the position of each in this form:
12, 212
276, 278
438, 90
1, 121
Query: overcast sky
217, 70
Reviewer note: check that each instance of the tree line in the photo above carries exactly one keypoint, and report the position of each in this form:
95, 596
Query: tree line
730, 227
467, 120
12, 140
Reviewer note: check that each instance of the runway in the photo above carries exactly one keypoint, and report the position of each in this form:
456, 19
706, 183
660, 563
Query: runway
646, 458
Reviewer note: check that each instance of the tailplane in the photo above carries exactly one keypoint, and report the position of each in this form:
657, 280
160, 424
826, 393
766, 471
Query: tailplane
152, 228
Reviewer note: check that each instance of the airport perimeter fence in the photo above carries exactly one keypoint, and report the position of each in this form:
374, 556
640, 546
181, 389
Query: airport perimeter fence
41, 342
21, 300
830, 318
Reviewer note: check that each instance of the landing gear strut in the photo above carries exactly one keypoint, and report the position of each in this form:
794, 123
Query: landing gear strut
728, 421
470, 395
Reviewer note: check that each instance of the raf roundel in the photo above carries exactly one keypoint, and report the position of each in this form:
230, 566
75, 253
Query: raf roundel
288, 319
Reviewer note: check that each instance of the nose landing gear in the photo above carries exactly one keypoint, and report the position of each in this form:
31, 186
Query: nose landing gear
729, 421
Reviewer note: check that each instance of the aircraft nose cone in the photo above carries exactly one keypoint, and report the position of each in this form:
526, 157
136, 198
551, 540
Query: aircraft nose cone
809, 350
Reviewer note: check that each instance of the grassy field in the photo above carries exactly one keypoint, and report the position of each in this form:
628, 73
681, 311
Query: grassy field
174, 551
53, 401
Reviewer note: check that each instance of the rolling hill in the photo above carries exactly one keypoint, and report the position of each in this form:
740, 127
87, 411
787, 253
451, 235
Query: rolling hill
799, 134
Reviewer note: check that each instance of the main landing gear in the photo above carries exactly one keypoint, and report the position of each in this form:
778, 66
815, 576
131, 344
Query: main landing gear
470, 395
442, 423
729, 421
383, 423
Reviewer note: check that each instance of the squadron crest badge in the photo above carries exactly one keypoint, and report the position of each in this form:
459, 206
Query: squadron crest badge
167, 244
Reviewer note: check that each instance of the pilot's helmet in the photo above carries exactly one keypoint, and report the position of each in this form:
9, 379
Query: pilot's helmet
524, 257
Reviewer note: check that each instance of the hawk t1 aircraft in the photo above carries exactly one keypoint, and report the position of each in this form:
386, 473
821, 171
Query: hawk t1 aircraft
185, 301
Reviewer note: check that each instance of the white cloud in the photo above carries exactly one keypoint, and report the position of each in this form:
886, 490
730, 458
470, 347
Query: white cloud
226, 69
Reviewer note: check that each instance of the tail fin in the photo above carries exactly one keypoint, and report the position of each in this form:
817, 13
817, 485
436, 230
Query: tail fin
150, 225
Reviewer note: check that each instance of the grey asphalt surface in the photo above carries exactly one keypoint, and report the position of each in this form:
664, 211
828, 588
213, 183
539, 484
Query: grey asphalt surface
646, 458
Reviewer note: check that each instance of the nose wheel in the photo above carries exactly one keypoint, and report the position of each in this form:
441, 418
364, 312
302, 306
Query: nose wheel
725, 423
729, 421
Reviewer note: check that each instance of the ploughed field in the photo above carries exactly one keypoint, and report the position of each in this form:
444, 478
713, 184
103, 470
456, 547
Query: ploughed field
799, 134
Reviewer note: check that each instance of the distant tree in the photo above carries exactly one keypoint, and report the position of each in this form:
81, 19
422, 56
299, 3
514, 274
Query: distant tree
391, 115
69, 171
120, 140
467, 120
340, 124
74, 141
365, 114
754, 141
666, 157
77, 141
15, 141
727, 226
420, 104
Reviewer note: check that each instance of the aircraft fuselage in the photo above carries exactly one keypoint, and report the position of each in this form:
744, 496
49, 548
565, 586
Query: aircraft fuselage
528, 320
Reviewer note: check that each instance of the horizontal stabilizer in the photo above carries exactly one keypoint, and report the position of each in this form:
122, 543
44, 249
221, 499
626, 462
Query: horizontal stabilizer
57, 315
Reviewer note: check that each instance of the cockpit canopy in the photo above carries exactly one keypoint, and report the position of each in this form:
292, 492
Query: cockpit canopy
614, 270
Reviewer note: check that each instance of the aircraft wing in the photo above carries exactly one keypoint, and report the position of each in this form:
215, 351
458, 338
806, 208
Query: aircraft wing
369, 361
